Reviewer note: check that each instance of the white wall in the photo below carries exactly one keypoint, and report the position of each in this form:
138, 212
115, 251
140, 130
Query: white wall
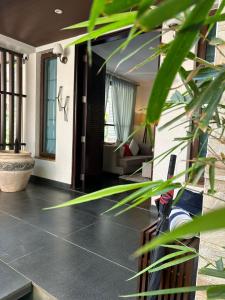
61, 168
164, 139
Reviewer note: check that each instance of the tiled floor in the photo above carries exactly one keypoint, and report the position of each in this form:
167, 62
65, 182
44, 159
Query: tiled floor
72, 253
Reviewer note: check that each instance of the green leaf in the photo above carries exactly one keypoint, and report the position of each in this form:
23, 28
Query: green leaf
216, 41
212, 178
134, 195
159, 261
190, 85
166, 10
219, 264
96, 9
213, 220
216, 292
103, 20
173, 263
174, 291
212, 272
103, 193
103, 30
179, 49
115, 6
180, 247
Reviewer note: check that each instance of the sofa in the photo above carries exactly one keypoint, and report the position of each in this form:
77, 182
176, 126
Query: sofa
114, 162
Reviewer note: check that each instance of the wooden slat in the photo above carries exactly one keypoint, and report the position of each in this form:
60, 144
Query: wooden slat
11, 99
19, 100
3, 99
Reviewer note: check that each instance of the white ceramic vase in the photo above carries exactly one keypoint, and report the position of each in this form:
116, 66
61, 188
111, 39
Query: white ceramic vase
15, 170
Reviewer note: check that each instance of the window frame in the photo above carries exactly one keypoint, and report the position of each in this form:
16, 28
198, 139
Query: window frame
43, 154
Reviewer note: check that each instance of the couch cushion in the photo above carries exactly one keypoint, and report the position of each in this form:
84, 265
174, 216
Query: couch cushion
134, 148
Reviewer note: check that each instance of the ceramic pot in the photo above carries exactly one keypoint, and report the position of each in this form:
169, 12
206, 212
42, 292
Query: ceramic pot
15, 170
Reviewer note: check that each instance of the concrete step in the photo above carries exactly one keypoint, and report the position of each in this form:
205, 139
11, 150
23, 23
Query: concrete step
13, 285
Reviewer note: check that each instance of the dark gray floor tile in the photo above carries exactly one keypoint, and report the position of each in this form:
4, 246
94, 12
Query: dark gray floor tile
12, 284
68, 272
110, 240
21, 239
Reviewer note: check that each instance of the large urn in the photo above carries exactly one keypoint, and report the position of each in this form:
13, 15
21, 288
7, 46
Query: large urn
15, 170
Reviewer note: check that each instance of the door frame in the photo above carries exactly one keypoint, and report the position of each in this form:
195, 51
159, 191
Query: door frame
79, 87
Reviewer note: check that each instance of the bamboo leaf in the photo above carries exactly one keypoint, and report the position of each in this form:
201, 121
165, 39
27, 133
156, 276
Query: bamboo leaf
103, 30
103, 193
216, 292
103, 20
159, 261
219, 264
115, 6
166, 10
213, 220
179, 49
96, 9
134, 195
173, 263
174, 291
212, 272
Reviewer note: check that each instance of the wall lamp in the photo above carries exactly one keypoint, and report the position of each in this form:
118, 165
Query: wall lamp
59, 52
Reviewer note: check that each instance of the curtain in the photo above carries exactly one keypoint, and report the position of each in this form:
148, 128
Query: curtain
123, 99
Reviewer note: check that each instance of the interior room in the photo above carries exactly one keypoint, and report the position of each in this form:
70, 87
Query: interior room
127, 89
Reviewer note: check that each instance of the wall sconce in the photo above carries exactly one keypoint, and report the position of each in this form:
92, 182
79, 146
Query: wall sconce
59, 52
62, 107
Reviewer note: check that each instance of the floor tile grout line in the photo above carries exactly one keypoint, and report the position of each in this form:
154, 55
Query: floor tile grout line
68, 241
82, 228
99, 255
31, 252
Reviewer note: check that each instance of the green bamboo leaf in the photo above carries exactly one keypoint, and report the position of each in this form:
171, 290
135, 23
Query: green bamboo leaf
134, 195
161, 189
103, 20
173, 263
216, 292
136, 51
213, 220
179, 49
213, 19
115, 6
180, 247
190, 85
173, 291
144, 6
210, 95
166, 10
103, 193
218, 12
212, 272
103, 30
219, 264
96, 9
212, 178
159, 261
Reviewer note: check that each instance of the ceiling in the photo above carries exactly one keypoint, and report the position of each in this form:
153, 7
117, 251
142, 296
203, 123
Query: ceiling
141, 75
34, 22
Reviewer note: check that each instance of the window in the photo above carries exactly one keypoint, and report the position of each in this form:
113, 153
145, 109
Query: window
48, 105
11, 98
110, 129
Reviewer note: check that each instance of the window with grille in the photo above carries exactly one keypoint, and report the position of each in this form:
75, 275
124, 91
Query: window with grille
11, 98
48, 105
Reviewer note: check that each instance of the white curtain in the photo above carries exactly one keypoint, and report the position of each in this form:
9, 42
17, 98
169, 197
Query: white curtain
123, 99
